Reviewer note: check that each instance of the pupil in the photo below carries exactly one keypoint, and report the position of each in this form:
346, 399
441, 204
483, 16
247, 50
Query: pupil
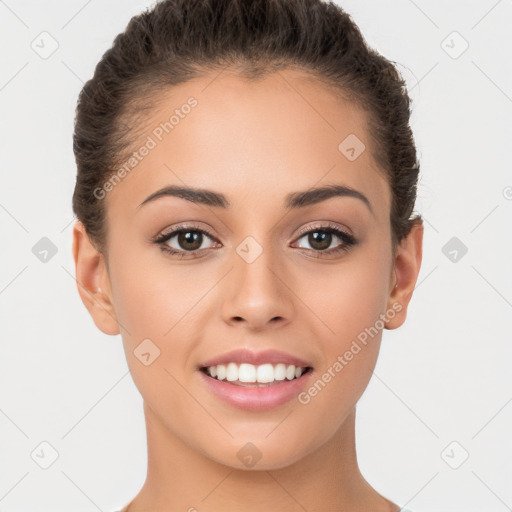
189, 237
325, 239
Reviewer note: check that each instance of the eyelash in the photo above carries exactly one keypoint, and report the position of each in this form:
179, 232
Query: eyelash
347, 239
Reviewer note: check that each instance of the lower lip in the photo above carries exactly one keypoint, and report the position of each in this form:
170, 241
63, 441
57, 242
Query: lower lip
256, 398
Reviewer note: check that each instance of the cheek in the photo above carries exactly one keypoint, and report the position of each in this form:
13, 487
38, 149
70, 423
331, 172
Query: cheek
347, 297
150, 295
141, 308
151, 302
345, 307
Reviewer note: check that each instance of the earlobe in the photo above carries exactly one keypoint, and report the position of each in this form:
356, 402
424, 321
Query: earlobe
93, 281
407, 266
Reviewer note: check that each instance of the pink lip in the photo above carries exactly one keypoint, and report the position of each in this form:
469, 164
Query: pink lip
244, 355
255, 398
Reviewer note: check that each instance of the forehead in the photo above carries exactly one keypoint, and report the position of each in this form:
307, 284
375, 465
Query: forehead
252, 138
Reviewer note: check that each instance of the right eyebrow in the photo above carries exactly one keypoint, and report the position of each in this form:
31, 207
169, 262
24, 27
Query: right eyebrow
194, 195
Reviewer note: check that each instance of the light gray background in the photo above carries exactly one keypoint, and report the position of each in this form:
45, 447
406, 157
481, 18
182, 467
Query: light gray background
442, 386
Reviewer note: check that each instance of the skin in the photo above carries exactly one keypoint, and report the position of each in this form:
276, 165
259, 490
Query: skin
255, 142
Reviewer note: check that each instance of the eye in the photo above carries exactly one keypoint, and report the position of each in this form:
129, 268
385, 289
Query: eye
321, 237
188, 239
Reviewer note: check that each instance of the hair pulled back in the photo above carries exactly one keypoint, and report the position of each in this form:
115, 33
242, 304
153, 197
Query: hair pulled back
177, 40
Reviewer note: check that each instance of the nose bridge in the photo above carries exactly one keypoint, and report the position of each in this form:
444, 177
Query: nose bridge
257, 292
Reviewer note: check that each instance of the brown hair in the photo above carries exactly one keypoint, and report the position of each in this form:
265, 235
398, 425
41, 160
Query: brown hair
177, 40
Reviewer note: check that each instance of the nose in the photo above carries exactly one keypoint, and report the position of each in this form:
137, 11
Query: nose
258, 293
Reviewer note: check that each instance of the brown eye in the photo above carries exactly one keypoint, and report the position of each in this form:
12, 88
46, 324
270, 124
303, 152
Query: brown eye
189, 240
320, 239
184, 241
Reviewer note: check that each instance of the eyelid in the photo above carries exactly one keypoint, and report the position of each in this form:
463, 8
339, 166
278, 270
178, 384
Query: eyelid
322, 225
174, 230
348, 240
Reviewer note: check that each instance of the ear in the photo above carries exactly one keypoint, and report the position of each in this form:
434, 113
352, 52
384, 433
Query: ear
93, 281
406, 269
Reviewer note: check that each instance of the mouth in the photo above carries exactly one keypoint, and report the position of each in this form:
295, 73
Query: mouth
256, 376
256, 381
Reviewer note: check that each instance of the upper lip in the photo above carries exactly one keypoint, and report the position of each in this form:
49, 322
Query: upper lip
244, 355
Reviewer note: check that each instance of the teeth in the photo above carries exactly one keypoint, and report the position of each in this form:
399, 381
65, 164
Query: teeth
264, 373
247, 373
231, 372
221, 371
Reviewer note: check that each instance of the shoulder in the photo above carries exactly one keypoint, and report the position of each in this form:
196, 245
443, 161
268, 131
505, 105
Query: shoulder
123, 509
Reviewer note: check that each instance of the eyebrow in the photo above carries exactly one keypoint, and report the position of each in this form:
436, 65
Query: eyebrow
293, 200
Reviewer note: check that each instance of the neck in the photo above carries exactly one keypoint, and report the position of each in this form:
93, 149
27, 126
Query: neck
180, 478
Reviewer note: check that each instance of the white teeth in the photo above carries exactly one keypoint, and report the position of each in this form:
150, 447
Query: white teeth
264, 373
280, 371
221, 371
232, 372
247, 373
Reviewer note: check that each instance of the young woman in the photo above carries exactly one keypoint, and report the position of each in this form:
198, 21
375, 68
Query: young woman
245, 193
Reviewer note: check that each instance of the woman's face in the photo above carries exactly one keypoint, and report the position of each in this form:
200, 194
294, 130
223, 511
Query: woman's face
255, 281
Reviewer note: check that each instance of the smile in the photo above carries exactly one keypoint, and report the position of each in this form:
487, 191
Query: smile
250, 375
255, 395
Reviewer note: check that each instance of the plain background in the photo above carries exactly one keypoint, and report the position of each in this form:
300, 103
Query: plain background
441, 391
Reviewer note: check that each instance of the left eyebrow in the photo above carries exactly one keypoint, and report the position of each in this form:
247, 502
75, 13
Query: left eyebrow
316, 195
293, 200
